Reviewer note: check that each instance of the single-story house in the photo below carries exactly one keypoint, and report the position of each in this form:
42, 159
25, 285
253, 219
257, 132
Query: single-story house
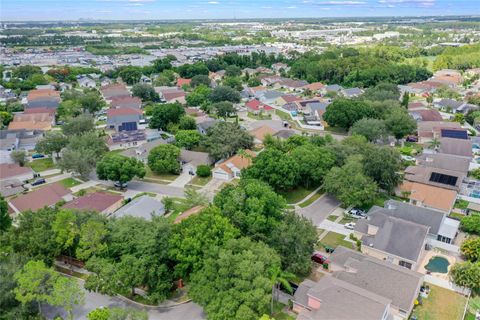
11, 187
32, 121
426, 115
126, 102
101, 202
86, 82
314, 86
183, 82
203, 126
269, 96
177, 96
286, 99
436, 177
10, 171
256, 107
124, 119
444, 161
115, 90
428, 196
284, 134
195, 158
459, 147
141, 152
144, 207
231, 168
261, 132
351, 92
429, 130
46, 196
126, 139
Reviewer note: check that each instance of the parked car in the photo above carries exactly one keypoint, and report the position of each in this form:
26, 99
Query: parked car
412, 139
120, 185
349, 226
357, 213
37, 156
319, 258
408, 158
38, 182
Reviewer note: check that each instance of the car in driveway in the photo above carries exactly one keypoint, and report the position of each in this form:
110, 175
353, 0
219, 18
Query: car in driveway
319, 258
357, 213
349, 226
120, 185
38, 182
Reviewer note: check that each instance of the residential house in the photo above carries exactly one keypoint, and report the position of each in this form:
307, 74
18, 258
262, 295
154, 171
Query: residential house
333, 299
17, 140
11, 187
101, 202
254, 91
284, 134
444, 161
291, 85
351, 92
269, 96
145, 207
124, 119
270, 80
206, 124
217, 76
451, 78
436, 177
459, 147
441, 227
395, 240
172, 97
428, 196
7, 94
286, 99
183, 82
279, 67
413, 106
141, 152
32, 121
115, 90
126, 139
430, 130
231, 168
260, 133
46, 196
425, 115
12, 171
126, 102
335, 88
86, 82
44, 98
256, 107
448, 104
314, 87
193, 159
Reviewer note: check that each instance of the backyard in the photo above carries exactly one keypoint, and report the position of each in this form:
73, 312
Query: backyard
441, 304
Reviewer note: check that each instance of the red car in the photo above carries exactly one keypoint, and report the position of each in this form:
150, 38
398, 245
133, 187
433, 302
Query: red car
320, 258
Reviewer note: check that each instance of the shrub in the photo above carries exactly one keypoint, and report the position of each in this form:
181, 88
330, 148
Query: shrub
203, 171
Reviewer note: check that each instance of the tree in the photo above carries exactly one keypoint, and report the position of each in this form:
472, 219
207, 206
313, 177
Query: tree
277, 277
471, 249
5, 220
69, 109
204, 171
67, 294
196, 236
252, 206
224, 109
117, 313
130, 74
233, 282
400, 123
294, 240
233, 82
101, 313
92, 240
459, 117
78, 125
405, 100
434, 143
18, 157
187, 139
372, 129
350, 185
313, 163
382, 164
145, 92
200, 79
276, 168
66, 230
52, 143
5, 118
103, 278
224, 93
164, 114
119, 168
345, 112
131, 272
225, 138
35, 283
233, 71
471, 223
91, 102
187, 123
198, 96
164, 159
466, 274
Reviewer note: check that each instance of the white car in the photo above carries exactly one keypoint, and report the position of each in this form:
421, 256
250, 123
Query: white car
408, 158
349, 226
357, 213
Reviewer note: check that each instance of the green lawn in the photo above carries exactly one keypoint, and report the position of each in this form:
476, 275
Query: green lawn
279, 314
346, 219
297, 195
200, 181
336, 130
69, 182
332, 218
441, 304
40, 165
259, 117
461, 204
311, 200
151, 175
333, 239
456, 215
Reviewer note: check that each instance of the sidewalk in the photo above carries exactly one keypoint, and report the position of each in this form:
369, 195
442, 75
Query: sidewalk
85, 185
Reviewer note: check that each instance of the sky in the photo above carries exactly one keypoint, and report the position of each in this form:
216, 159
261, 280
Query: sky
15, 10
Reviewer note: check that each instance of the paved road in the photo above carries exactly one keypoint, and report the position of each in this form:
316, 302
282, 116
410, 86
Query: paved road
188, 311
157, 188
320, 209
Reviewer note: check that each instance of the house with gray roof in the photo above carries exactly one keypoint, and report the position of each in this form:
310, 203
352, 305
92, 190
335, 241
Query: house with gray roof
144, 207
269, 96
351, 92
395, 240
459, 147
444, 161
203, 126
400, 285
447, 104
440, 226
333, 88
195, 158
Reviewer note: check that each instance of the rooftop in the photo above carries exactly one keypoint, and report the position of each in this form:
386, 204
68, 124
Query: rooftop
39, 198
97, 201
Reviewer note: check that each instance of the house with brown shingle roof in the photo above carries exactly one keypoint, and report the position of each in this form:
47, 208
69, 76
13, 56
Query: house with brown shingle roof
46, 196
32, 121
114, 90
261, 132
428, 196
183, 82
101, 202
126, 102
232, 167
9, 171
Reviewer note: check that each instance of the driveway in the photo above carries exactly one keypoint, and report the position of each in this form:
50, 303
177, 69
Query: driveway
190, 311
320, 209
335, 227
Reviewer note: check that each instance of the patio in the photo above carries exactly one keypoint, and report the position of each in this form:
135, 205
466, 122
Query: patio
436, 253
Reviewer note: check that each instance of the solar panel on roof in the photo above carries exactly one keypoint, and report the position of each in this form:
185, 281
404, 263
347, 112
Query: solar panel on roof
456, 134
443, 179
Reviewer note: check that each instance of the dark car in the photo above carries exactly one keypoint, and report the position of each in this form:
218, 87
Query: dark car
412, 139
120, 185
37, 156
319, 258
38, 182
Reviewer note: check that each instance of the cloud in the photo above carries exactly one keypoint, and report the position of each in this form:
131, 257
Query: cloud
422, 3
338, 3
213, 2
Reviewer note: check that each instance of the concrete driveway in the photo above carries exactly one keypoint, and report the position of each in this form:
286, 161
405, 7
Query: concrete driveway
190, 311
320, 209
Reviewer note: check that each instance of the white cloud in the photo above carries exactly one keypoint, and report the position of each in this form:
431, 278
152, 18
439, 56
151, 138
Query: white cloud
213, 2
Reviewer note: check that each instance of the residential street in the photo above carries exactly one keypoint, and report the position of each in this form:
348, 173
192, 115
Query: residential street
320, 209
187, 311
157, 188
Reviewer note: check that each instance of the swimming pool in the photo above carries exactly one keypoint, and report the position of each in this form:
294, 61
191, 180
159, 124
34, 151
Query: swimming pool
437, 264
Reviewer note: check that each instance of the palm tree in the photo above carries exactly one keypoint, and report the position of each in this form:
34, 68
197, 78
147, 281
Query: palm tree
435, 143
279, 277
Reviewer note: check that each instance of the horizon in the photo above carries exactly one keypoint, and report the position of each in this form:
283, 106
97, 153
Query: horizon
170, 10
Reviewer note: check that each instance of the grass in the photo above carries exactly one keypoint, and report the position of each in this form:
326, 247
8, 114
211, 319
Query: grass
410, 149
456, 215
278, 313
40, 165
152, 175
69, 182
473, 305
259, 116
333, 239
200, 181
332, 218
150, 194
461, 204
337, 130
283, 115
346, 219
297, 195
441, 304
311, 200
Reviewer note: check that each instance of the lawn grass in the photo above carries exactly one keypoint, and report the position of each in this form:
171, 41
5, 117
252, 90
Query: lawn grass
333, 239
332, 218
297, 195
347, 219
456, 215
40, 165
69, 182
337, 130
441, 304
278, 313
152, 175
312, 199
200, 181
461, 204
259, 117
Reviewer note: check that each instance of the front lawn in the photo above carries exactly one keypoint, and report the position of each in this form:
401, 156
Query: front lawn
461, 204
332, 218
69, 182
259, 116
152, 175
40, 165
311, 200
333, 239
199, 181
441, 304
297, 195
